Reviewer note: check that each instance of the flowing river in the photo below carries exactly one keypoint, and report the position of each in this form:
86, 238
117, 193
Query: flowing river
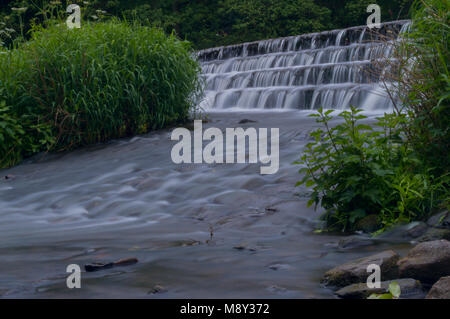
198, 230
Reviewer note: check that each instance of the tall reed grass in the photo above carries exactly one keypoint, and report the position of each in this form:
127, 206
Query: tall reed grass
71, 87
420, 80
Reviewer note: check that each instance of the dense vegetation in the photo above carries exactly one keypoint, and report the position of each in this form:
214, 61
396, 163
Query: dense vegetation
70, 87
209, 23
399, 172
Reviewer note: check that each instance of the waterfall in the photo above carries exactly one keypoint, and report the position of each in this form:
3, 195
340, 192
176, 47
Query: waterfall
332, 69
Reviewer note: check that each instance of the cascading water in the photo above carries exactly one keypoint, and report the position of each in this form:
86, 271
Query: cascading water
333, 69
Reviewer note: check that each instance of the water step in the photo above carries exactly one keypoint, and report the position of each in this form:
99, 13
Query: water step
332, 69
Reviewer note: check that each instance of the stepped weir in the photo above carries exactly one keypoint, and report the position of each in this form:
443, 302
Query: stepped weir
332, 69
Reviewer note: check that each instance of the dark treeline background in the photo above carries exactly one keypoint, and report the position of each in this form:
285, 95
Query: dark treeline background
210, 23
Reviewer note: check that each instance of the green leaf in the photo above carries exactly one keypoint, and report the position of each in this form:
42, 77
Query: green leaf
357, 214
310, 183
380, 296
394, 289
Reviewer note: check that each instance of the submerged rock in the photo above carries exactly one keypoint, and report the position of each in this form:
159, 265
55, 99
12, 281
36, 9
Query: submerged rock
410, 289
356, 271
354, 242
441, 289
102, 266
405, 232
427, 262
158, 289
246, 121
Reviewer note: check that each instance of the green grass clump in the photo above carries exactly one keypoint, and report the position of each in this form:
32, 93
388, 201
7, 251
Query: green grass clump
423, 81
67, 88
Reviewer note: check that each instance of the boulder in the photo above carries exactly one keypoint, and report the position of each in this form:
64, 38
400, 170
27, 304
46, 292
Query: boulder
440, 220
404, 232
246, 121
354, 241
416, 229
410, 289
440, 290
356, 271
427, 262
435, 234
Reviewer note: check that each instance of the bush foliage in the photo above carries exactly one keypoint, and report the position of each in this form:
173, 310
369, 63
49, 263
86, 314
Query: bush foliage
211, 23
357, 170
71, 87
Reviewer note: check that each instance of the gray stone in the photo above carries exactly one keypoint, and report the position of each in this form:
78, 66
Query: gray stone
416, 229
246, 121
427, 262
405, 232
440, 290
356, 271
435, 234
354, 242
410, 289
440, 220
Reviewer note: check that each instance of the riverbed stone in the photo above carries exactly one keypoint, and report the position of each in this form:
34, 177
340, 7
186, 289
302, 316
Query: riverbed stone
246, 121
354, 241
427, 262
440, 220
440, 290
435, 234
356, 271
405, 232
410, 289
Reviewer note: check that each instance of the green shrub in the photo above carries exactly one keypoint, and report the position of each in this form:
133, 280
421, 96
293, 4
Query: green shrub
422, 82
356, 171
73, 87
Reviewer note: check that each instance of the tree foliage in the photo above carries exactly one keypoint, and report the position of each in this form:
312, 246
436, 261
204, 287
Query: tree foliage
209, 23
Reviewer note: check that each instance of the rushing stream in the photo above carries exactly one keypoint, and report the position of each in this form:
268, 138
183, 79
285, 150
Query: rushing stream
198, 230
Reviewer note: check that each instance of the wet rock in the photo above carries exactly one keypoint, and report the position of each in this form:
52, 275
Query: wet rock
186, 243
416, 229
126, 262
410, 289
280, 267
246, 121
440, 290
368, 224
405, 232
277, 289
427, 262
244, 247
356, 271
102, 266
158, 289
435, 234
440, 220
354, 242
